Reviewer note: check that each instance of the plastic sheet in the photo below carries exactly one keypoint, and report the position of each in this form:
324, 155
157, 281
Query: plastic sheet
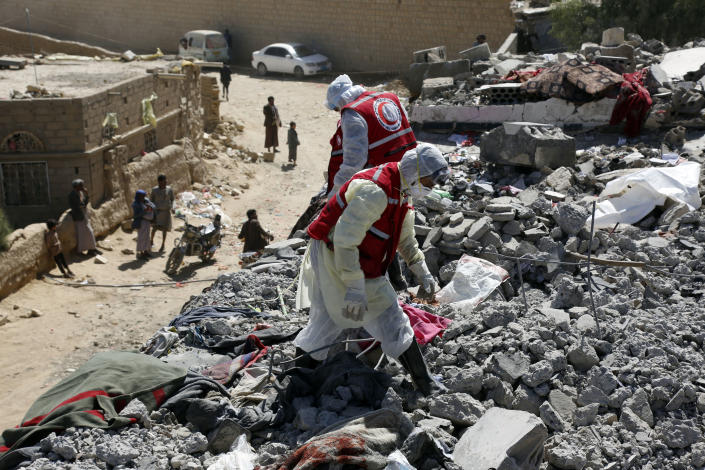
632, 197
473, 281
240, 457
397, 461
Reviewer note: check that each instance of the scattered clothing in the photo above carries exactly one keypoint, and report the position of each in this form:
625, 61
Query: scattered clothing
93, 396
575, 81
633, 103
426, 325
248, 342
212, 311
292, 140
160, 343
256, 238
163, 200
193, 386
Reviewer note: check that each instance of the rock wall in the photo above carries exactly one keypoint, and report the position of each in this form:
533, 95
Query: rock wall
362, 35
28, 256
18, 42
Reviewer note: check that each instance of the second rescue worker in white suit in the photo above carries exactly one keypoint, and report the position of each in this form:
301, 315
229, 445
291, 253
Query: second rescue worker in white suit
352, 242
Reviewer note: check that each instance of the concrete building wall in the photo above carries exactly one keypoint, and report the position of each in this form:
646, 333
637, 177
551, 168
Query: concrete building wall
363, 35
56, 122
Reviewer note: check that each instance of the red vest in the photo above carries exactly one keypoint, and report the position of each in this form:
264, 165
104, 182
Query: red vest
336, 156
380, 243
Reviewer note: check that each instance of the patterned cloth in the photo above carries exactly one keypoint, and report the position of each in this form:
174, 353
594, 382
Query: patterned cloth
575, 81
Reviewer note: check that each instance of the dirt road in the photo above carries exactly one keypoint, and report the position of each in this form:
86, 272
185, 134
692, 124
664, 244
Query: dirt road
77, 322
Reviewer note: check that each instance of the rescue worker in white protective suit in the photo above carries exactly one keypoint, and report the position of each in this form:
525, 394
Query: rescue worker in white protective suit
353, 240
373, 129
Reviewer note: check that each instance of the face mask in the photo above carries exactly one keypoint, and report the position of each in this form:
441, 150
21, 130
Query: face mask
419, 191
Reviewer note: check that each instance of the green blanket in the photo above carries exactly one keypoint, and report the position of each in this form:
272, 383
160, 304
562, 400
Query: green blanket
93, 397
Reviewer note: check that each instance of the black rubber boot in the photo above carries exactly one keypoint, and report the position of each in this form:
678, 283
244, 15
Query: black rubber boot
395, 275
414, 363
305, 361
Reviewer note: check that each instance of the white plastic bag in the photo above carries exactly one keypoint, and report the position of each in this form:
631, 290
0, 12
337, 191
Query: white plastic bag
473, 281
240, 457
187, 196
637, 194
397, 461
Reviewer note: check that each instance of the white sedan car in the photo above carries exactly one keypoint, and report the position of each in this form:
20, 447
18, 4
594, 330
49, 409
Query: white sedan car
290, 58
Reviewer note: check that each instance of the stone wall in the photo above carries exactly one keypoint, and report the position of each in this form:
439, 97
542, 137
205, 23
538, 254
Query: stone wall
28, 256
362, 35
18, 42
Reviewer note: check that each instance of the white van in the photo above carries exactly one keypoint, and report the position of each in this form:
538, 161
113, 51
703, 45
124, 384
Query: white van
206, 45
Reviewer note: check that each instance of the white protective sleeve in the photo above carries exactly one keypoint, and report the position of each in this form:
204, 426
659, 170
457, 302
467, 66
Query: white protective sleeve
355, 143
408, 246
366, 203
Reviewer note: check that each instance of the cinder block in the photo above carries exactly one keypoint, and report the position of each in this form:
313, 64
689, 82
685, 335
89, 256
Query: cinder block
528, 144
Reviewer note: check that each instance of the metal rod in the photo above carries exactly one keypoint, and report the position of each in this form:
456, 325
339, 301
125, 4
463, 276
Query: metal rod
523, 291
589, 257
31, 43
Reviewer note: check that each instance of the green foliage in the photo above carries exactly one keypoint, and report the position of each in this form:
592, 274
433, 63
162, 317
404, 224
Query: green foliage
673, 21
5, 230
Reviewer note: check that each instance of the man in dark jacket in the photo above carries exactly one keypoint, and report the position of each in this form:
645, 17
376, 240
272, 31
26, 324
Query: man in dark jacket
254, 236
272, 123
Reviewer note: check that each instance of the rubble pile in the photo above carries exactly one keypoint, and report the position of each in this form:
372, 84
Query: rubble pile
674, 79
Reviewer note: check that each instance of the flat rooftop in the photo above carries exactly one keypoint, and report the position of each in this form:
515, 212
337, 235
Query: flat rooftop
75, 78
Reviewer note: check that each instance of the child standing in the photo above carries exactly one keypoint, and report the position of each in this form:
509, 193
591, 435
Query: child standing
292, 140
51, 238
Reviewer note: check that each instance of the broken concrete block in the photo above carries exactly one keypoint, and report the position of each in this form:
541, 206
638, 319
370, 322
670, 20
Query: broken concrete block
625, 50
506, 66
675, 65
433, 54
561, 179
510, 367
612, 37
434, 86
551, 418
457, 232
582, 356
460, 408
100, 259
685, 101
528, 144
639, 404
292, 243
419, 72
502, 439
479, 228
562, 403
510, 44
480, 52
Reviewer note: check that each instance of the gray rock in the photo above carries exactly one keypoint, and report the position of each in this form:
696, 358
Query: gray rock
64, 447
551, 418
676, 401
585, 415
586, 325
538, 373
502, 216
455, 219
497, 317
116, 452
392, 400
292, 243
479, 228
467, 379
557, 359
559, 317
562, 403
632, 422
603, 378
196, 442
457, 232
136, 409
447, 272
582, 356
502, 439
566, 456
460, 408
561, 179
526, 399
678, 434
223, 436
639, 404
592, 394
570, 217
433, 237
510, 367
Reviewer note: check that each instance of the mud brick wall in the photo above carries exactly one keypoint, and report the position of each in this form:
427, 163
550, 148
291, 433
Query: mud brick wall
358, 35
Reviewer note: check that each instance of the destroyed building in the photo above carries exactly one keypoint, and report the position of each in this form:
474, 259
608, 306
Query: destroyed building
66, 129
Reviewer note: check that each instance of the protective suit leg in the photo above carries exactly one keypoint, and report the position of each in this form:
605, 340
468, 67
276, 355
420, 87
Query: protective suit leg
395, 275
413, 361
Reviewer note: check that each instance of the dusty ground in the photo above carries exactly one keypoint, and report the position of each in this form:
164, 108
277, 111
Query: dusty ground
77, 322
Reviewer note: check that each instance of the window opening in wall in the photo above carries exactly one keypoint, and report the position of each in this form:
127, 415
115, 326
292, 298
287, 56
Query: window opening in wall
150, 141
21, 142
25, 184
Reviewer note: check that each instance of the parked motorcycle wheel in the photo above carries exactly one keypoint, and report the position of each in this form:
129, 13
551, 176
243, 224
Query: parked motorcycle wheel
174, 261
207, 256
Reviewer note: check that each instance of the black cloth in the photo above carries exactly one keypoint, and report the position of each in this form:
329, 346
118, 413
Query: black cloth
212, 311
195, 386
368, 385
77, 203
255, 236
240, 344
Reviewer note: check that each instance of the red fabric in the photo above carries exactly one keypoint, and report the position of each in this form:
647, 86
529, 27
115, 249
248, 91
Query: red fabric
633, 103
376, 252
159, 396
336, 156
426, 325
83, 395
521, 77
385, 120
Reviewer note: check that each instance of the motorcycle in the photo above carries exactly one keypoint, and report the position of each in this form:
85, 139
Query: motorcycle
202, 241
